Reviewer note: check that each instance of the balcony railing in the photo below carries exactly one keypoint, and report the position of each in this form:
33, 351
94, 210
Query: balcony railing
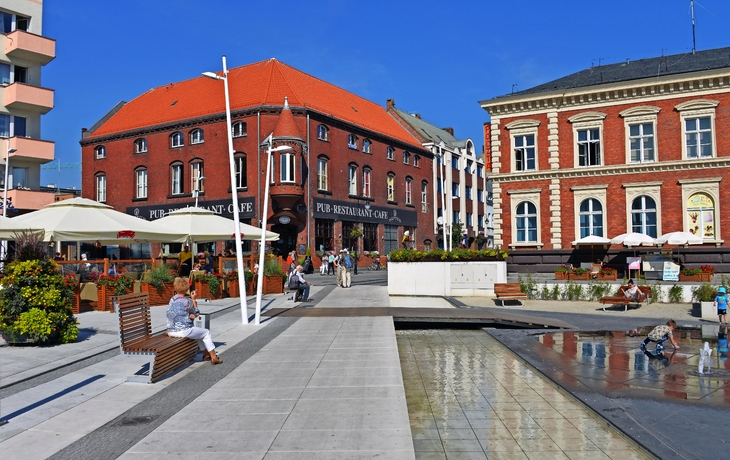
31, 47
32, 149
20, 96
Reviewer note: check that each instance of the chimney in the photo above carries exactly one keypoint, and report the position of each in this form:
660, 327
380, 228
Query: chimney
389, 104
449, 130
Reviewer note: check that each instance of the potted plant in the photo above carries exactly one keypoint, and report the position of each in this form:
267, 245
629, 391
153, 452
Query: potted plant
232, 283
561, 273
110, 286
208, 285
703, 274
35, 302
158, 282
705, 294
607, 274
580, 273
274, 277
73, 284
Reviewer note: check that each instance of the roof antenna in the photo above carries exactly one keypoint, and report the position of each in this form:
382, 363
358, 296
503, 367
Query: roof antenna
513, 87
694, 35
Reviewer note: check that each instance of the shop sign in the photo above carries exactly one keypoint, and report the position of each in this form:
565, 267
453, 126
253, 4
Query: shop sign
356, 212
223, 208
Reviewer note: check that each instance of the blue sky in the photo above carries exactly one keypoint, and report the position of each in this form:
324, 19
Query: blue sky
433, 57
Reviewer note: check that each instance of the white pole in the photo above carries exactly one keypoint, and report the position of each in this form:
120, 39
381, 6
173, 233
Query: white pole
234, 199
443, 204
262, 245
7, 166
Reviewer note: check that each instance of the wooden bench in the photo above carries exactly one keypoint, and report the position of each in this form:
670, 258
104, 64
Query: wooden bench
136, 339
626, 301
509, 291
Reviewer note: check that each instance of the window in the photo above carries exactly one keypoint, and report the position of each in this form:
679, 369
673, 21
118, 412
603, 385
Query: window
140, 146
641, 142
366, 145
19, 126
698, 137
352, 180
176, 140
454, 162
324, 231
20, 74
439, 187
455, 217
468, 167
524, 152
480, 195
5, 74
196, 136
101, 188
348, 241
526, 222
18, 179
416, 160
239, 129
467, 191
323, 133
240, 162
369, 237
480, 221
390, 153
287, 167
366, 173
22, 23
468, 219
322, 173
196, 176
643, 216
391, 187
454, 190
409, 183
100, 152
141, 179
406, 158
352, 141
591, 218
176, 178
424, 192
698, 128
589, 147
390, 238
480, 171
701, 216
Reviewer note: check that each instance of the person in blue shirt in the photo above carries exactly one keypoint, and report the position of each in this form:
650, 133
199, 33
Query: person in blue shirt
721, 301
181, 311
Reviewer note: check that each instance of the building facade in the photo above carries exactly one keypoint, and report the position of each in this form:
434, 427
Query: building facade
339, 162
23, 100
460, 195
638, 146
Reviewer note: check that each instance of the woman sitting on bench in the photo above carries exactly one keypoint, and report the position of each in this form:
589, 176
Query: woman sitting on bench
181, 311
632, 292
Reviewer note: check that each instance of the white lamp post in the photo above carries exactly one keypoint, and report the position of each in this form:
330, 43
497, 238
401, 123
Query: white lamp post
264, 216
196, 192
234, 193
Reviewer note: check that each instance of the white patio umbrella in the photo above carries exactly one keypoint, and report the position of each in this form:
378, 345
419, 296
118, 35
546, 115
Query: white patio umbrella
591, 240
204, 225
10, 227
81, 219
679, 238
633, 239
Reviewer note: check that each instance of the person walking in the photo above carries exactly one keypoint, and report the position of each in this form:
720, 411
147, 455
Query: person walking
721, 301
331, 263
346, 270
323, 267
340, 267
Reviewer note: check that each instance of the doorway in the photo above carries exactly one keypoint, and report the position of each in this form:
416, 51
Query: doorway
287, 239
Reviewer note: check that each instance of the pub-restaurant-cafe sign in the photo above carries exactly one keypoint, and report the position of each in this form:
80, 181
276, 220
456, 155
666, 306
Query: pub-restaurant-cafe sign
356, 212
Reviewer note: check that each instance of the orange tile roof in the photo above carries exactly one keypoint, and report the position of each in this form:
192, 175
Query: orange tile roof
264, 83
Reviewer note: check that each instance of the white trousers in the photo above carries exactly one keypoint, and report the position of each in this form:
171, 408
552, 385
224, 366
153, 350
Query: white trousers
346, 277
202, 335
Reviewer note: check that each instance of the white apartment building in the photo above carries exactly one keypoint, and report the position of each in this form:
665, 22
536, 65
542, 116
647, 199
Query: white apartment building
23, 100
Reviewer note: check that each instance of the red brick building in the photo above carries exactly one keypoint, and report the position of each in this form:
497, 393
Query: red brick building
349, 163
638, 146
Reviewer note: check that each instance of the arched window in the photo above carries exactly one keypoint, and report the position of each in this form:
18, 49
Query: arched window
239, 129
101, 188
323, 133
140, 146
591, 218
140, 179
366, 176
100, 152
701, 216
322, 164
176, 178
409, 190
424, 197
352, 141
526, 220
390, 153
197, 176
176, 139
352, 179
241, 170
643, 216
406, 157
416, 160
197, 136
366, 145
391, 187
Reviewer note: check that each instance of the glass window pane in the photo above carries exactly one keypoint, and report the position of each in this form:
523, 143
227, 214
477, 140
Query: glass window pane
648, 129
704, 123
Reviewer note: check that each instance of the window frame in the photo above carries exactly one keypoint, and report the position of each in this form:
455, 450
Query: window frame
322, 173
406, 157
366, 180
390, 153
467, 192
582, 193
455, 188
323, 133
287, 168
177, 179
516, 198
710, 187
587, 121
177, 140
140, 186
366, 145
409, 190
352, 179
240, 161
101, 187
352, 141
242, 132
638, 189
644, 212
99, 152
416, 161
390, 187
197, 170
197, 136
695, 109
642, 115
590, 215
140, 145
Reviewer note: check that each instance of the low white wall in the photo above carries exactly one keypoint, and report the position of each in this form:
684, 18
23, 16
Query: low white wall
445, 278
686, 288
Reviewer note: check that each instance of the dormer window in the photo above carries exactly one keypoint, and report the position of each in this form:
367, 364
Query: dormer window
352, 141
100, 152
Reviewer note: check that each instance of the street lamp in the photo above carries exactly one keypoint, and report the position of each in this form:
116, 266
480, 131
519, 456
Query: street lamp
262, 246
196, 192
234, 193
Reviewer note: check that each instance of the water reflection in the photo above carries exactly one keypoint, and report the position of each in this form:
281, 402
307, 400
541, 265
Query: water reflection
469, 397
612, 361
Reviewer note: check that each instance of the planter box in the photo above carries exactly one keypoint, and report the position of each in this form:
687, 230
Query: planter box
76, 302
699, 278
606, 277
273, 284
105, 298
445, 278
160, 296
581, 277
708, 310
561, 275
233, 288
203, 291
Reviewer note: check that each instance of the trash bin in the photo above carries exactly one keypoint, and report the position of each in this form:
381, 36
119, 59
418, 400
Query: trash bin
202, 320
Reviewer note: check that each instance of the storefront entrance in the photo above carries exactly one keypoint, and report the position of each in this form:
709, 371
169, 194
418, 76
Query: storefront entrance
287, 239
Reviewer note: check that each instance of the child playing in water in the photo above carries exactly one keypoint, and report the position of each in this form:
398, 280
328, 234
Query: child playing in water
660, 334
721, 301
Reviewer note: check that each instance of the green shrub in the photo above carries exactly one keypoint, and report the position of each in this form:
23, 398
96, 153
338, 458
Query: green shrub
705, 292
656, 293
597, 289
676, 294
529, 286
159, 275
572, 291
439, 255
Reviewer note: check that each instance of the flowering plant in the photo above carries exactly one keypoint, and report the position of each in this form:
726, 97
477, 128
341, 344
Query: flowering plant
71, 282
117, 283
607, 271
213, 280
562, 269
708, 269
580, 271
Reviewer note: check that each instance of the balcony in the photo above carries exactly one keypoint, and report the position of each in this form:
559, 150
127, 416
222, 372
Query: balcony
20, 96
30, 199
31, 47
34, 150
